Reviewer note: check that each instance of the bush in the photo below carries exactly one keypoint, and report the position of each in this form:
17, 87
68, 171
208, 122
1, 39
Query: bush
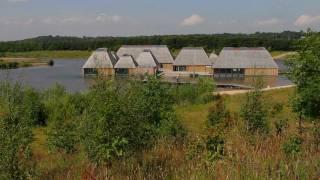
254, 113
63, 114
281, 126
218, 115
15, 133
292, 146
126, 118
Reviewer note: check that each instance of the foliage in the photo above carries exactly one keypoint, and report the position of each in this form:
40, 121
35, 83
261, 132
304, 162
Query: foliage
63, 117
15, 133
8, 65
305, 73
200, 92
218, 116
126, 117
273, 41
253, 111
280, 126
292, 146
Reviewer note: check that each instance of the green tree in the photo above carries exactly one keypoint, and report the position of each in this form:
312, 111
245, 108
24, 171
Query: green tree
305, 73
63, 118
219, 116
254, 112
123, 118
15, 133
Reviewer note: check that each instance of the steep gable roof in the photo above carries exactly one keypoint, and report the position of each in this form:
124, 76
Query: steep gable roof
125, 62
146, 59
192, 56
245, 58
161, 52
101, 58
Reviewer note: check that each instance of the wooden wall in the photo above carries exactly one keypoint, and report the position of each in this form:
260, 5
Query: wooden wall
261, 72
199, 69
150, 71
106, 72
168, 67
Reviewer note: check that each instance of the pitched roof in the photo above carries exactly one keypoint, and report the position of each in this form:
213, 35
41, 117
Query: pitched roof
146, 59
101, 58
161, 52
125, 62
245, 58
192, 56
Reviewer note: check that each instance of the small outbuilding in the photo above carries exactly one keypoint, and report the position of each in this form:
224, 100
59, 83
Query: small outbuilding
101, 62
147, 63
239, 62
193, 59
126, 65
160, 52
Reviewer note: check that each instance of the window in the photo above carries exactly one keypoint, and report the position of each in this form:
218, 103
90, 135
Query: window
122, 71
90, 71
180, 68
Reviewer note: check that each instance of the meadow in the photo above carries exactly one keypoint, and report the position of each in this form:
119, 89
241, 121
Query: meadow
245, 157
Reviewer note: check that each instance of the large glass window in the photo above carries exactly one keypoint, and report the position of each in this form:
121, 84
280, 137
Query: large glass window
90, 71
180, 68
122, 71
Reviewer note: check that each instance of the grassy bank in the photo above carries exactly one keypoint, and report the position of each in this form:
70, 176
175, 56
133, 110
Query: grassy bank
13, 63
49, 54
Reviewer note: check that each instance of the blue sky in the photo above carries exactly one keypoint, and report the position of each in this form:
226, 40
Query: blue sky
29, 18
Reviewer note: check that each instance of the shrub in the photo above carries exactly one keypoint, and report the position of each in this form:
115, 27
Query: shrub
15, 133
218, 115
130, 115
281, 126
292, 146
254, 113
63, 119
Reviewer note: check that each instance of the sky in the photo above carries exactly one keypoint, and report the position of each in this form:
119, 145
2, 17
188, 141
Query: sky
20, 19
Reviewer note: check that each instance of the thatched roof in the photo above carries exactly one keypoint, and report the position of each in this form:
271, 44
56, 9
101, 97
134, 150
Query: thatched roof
192, 56
245, 58
101, 58
160, 52
125, 62
146, 59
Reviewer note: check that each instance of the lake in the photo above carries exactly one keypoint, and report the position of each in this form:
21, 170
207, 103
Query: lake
67, 72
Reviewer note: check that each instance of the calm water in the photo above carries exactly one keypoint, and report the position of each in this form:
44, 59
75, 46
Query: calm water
65, 72
68, 73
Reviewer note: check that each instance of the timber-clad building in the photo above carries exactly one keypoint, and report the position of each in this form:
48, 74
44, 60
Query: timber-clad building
152, 59
239, 62
160, 52
192, 59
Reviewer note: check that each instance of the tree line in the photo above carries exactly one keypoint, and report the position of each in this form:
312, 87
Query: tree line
284, 41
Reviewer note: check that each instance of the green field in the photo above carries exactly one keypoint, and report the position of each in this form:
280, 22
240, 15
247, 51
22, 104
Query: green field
49, 54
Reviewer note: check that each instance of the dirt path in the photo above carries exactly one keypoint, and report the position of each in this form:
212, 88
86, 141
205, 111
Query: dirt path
235, 92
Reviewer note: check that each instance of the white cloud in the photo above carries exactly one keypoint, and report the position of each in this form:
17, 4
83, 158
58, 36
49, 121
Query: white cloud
16, 21
17, 1
307, 20
193, 20
105, 18
101, 18
269, 22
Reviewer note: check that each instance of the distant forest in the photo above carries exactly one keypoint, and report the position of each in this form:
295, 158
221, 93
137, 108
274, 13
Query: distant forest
284, 41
